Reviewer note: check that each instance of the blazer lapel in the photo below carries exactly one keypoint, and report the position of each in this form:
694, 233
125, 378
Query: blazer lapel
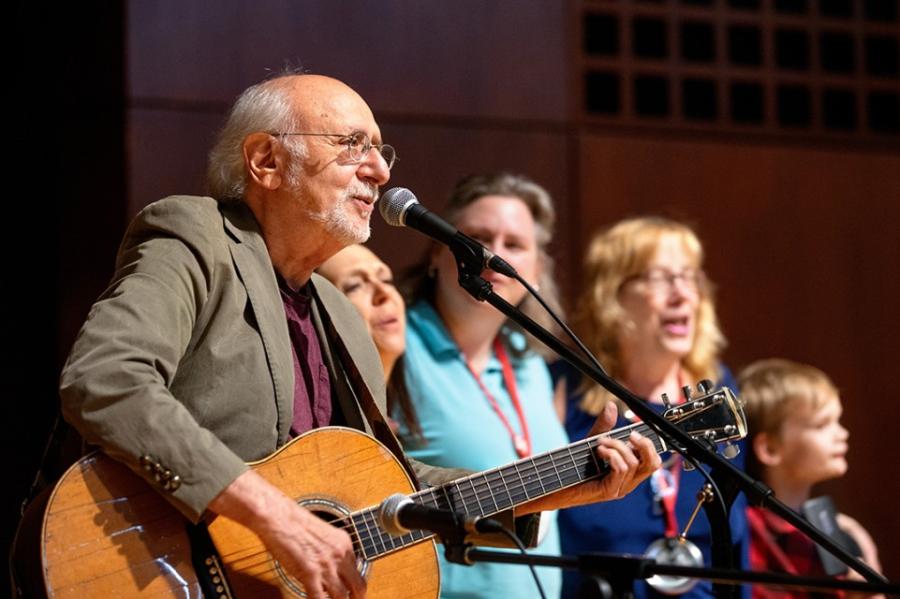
251, 259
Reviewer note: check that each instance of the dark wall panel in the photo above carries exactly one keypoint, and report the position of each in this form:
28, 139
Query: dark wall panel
497, 59
167, 152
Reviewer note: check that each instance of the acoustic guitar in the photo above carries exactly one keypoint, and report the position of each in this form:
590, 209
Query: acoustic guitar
107, 533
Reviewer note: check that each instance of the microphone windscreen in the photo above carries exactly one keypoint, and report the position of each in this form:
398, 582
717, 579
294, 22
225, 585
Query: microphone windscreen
393, 203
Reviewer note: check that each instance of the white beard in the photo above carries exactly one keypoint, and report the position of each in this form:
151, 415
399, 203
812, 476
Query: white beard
340, 220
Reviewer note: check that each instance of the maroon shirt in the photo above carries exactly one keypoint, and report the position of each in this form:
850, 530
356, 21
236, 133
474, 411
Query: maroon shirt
776, 546
312, 384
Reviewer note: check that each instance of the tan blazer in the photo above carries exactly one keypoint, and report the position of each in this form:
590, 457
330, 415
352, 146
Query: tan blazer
185, 359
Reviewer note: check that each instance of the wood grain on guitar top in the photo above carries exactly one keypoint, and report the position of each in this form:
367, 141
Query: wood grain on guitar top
107, 533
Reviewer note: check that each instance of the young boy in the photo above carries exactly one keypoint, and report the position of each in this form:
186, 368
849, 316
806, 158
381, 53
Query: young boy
797, 440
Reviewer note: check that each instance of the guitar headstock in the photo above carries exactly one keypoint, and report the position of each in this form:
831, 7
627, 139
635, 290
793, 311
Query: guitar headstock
715, 416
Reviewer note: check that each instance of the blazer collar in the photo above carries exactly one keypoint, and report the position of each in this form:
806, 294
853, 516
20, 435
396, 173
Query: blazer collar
251, 259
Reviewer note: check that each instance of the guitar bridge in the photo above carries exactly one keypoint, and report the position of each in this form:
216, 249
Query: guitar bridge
207, 563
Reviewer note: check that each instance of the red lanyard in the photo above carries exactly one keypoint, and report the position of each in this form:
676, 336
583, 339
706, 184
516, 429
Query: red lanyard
666, 488
521, 443
667, 491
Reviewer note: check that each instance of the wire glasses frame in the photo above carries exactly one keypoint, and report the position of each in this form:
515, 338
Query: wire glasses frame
661, 280
358, 145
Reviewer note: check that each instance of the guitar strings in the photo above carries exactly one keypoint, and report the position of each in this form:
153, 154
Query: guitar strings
368, 534
540, 466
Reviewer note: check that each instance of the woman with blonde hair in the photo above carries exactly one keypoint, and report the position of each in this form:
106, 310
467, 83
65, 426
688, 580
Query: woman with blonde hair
648, 314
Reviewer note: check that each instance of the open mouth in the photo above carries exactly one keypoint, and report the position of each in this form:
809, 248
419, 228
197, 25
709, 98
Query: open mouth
365, 199
365, 204
677, 325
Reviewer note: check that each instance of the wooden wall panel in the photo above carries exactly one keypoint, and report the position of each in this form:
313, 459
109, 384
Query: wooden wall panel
803, 245
167, 153
498, 59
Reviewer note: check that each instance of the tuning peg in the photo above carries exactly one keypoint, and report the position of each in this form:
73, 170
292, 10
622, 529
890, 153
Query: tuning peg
705, 386
731, 451
665, 400
686, 392
687, 466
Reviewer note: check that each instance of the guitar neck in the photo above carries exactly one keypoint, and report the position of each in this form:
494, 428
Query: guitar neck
493, 491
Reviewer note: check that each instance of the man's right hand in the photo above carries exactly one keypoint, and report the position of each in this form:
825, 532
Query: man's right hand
316, 553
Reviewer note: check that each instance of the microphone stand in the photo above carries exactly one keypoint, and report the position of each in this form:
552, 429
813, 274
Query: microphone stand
469, 267
613, 575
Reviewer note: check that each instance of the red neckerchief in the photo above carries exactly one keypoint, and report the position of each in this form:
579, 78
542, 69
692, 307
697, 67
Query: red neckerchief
521, 443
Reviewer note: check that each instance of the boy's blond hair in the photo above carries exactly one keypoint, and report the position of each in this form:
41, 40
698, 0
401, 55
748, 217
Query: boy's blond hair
774, 389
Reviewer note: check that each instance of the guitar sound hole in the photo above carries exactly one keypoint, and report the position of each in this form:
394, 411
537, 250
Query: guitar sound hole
326, 516
330, 512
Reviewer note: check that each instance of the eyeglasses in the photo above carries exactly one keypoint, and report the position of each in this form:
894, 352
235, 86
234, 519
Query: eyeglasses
660, 279
358, 145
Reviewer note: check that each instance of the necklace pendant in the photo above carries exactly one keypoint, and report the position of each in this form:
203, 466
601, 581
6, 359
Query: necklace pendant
673, 551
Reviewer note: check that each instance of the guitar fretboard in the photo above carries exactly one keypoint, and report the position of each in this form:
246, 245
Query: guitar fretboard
493, 491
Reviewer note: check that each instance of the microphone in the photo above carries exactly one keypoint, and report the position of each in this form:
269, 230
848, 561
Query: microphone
398, 514
399, 207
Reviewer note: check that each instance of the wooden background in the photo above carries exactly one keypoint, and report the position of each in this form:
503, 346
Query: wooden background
802, 237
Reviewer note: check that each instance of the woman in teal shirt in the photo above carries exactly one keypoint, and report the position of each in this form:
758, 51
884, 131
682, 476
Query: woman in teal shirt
481, 395
470, 392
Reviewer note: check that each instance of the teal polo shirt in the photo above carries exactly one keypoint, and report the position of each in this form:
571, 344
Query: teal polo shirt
460, 429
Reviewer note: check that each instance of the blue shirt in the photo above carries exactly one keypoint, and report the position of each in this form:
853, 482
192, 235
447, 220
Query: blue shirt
461, 430
631, 524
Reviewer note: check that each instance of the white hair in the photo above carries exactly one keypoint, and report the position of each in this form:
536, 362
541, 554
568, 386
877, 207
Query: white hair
265, 107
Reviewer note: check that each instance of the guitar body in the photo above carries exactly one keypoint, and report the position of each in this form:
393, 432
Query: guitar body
107, 533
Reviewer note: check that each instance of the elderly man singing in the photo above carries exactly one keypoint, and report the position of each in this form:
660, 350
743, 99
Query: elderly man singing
215, 343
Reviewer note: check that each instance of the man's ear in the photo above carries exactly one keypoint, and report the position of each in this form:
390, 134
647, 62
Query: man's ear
264, 160
765, 446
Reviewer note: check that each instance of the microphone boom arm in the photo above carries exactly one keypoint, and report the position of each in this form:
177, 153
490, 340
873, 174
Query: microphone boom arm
757, 492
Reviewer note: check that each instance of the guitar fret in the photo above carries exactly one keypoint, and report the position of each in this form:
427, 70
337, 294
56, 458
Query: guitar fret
556, 471
477, 499
506, 488
575, 468
377, 537
493, 499
369, 544
521, 481
563, 471
537, 472
483, 499
453, 503
390, 538
593, 455
362, 544
501, 499
371, 541
549, 474
429, 498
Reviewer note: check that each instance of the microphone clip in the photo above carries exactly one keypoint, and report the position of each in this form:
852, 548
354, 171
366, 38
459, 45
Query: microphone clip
471, 260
